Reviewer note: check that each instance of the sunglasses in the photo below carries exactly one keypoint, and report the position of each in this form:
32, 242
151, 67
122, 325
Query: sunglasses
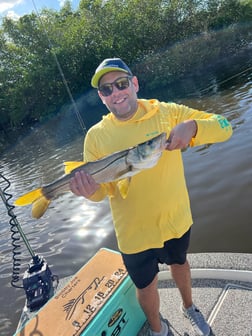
121, 83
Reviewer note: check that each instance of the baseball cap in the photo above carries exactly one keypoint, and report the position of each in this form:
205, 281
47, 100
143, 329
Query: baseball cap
108, 65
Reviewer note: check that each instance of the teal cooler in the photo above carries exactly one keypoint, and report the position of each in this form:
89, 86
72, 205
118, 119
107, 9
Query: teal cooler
121, 315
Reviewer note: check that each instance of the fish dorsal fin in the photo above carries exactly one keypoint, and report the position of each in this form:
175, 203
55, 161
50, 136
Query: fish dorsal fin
71, 165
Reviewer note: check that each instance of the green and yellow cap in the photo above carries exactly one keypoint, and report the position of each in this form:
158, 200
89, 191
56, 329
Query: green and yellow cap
108, 65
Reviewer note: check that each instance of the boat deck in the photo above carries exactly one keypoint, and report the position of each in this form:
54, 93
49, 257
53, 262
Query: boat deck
222, 289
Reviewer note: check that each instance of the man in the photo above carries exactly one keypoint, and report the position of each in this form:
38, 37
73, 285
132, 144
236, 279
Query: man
152, 223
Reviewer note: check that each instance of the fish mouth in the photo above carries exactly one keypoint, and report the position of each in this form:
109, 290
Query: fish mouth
164, 141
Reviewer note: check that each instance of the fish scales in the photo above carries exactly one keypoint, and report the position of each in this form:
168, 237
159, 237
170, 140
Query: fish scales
108, 169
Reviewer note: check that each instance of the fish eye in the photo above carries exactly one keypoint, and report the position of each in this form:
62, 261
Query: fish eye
149, 142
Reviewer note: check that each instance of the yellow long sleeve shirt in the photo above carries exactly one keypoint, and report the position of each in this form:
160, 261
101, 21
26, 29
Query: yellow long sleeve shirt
157, 206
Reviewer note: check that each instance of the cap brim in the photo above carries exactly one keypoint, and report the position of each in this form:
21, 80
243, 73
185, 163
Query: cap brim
98, 75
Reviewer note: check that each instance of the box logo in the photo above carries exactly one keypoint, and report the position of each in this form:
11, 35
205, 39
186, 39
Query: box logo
115, 317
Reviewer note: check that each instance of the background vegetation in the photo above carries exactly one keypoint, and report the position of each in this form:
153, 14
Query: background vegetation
31, 86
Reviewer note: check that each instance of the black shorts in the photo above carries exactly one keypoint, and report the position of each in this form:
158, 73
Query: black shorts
143, 266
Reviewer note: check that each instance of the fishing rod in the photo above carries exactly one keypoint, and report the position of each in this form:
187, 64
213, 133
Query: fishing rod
76, 110
203, 91
38, 280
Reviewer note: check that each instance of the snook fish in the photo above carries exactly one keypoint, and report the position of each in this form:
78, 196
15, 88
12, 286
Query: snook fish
117, 166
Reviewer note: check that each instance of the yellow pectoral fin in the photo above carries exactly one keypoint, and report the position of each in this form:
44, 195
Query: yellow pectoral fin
29, 197
71, 165
39, 207
123, 187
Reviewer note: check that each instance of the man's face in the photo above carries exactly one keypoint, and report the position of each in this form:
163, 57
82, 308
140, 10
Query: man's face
122, 103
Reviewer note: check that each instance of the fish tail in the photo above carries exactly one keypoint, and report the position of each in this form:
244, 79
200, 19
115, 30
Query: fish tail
29, 197
40, 206
38, 200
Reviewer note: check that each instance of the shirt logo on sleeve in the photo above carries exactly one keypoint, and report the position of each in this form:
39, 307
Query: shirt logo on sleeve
223, 122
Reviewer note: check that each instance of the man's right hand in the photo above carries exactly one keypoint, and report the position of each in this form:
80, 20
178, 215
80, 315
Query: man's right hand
83, 184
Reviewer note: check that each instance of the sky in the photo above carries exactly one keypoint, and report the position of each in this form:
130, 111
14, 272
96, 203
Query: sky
17, 8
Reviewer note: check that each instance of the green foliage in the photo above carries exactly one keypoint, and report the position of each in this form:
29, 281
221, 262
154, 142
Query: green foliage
33, 47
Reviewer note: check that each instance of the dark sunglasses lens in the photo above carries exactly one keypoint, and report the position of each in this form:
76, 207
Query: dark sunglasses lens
122, 83
106, 89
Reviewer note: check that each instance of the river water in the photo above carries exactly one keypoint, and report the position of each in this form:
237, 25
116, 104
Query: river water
219, 178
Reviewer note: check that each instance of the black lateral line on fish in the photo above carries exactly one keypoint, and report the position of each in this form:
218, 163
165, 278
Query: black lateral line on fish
111, 162
128, 169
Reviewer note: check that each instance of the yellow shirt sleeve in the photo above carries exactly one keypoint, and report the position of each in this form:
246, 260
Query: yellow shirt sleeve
211, 128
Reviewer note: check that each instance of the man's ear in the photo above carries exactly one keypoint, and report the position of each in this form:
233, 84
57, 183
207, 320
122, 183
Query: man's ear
101, 97
135, 83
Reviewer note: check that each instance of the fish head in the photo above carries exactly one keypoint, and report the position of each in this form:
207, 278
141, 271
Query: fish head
147, 154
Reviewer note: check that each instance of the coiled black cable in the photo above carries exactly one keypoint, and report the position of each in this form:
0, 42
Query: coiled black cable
16, 232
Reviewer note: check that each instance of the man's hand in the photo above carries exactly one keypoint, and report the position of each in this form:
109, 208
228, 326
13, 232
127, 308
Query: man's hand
182, 134
83, 184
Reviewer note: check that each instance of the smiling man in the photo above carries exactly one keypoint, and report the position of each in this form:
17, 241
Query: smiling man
153, 222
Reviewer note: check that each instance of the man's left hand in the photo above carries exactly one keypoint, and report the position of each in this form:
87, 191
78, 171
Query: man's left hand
181, 135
